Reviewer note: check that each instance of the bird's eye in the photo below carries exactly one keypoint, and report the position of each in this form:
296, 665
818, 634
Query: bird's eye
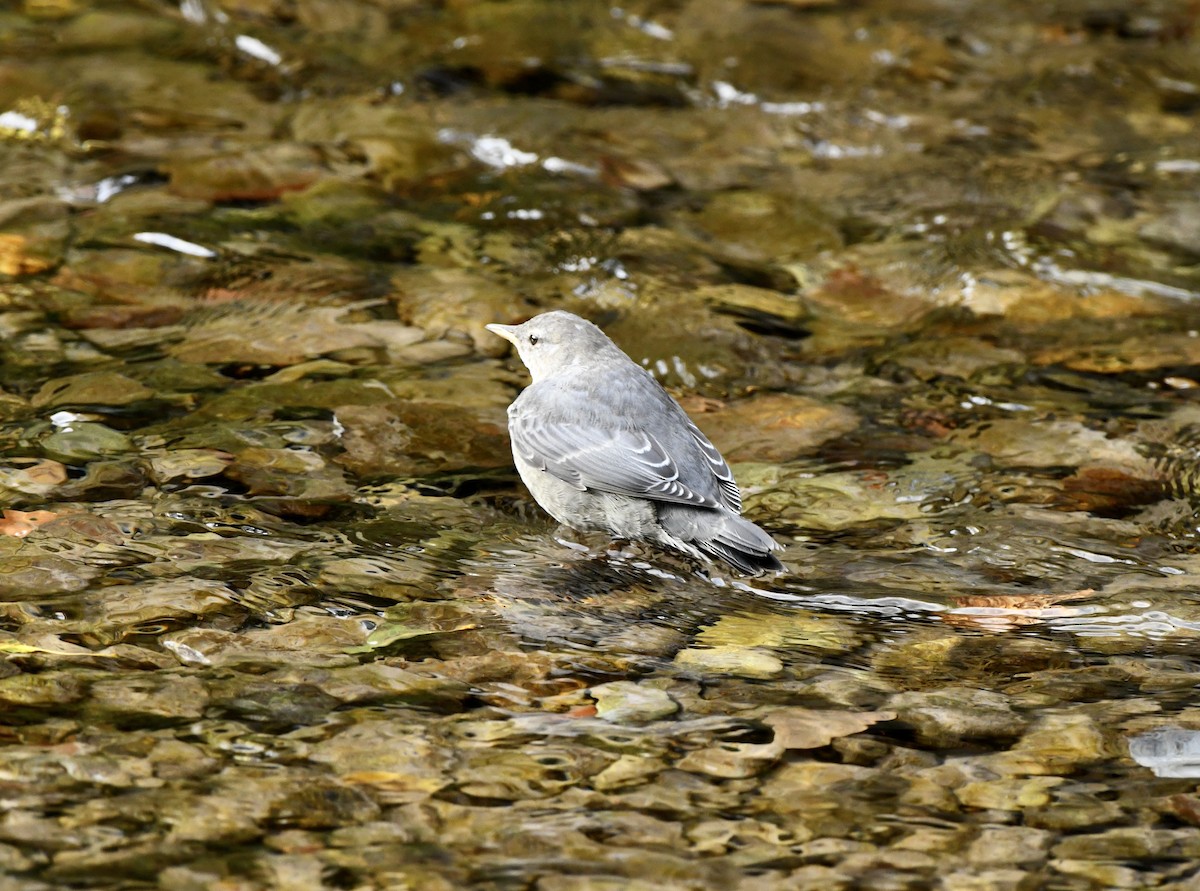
533, 339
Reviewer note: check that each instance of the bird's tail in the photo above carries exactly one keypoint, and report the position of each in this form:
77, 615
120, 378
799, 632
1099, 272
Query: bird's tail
724, 536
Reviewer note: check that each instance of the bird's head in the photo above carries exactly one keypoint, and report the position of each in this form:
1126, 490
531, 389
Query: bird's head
555, 341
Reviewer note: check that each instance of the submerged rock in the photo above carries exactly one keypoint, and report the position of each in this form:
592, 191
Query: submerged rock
251, 173
774, 428
761, 227
626, 702
150, 701
98, 388
731, 760
1008, 794
83, 442
389, 759
739, 661
951, 715
415, 439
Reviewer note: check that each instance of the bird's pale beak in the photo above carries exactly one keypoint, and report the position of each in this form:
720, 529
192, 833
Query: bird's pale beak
508, 332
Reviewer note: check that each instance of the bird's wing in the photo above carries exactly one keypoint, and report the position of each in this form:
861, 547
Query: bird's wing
615, 460
730, 493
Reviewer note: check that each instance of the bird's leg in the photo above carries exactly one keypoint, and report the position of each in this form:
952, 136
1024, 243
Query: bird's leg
622, 547
570, 542
584, 542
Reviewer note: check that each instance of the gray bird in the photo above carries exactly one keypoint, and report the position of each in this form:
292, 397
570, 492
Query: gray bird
602, 446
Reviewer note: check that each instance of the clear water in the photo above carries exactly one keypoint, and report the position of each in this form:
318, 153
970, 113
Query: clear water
275, 611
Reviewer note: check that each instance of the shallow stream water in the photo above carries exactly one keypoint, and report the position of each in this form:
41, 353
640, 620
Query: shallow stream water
275, 611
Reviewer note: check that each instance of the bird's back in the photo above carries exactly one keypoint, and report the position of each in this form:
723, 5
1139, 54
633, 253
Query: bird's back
619, 397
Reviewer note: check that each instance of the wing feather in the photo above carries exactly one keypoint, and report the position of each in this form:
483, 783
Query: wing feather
615, 460
730, 493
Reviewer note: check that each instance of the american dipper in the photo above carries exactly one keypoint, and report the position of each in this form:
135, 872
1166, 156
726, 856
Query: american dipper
602, 446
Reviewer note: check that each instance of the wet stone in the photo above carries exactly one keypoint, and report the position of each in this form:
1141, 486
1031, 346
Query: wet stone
173, 759
595, 883
256, 173
101, 388
1072, 811
989, 880
961, 357
280, 334
272, 703
106, 480
1009, 845
948, 716
143, 861
801, 728
731, 760
850, 688
774, 428
39, 478
774, 310
374, 833
156, 699
281, 472
1177, 229
421, 298
537, 774
13, 861
625, 702
1101, 875
794, 628
646, 639
201, 646
378, 682
124, 608
321, 803
1063, 743
1008, 794
759, 227
806, 878
47, 574
709, 365
1125, 843
835, 501
1018, 442
627, 771
83, 442
94, 29
188, 464
795, 786
935, 659
933, 841
909, 862
188, 878
748, 662
413, 439
27, 830
36, 236
862, 750
44, 690
386, 757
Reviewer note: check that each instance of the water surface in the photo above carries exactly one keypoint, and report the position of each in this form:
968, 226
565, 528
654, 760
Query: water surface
275, 610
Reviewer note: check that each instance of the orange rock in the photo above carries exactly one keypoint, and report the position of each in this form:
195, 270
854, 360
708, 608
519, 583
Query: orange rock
14, 259
772, 427
19, 523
